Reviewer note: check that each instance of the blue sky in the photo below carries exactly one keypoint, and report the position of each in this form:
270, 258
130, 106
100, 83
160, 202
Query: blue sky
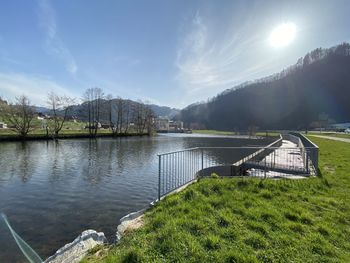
170, 53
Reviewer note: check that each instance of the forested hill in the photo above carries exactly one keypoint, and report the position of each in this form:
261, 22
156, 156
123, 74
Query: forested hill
318, 85
163, 111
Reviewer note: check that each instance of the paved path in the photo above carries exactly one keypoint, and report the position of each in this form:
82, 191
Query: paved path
287, 156
331, 138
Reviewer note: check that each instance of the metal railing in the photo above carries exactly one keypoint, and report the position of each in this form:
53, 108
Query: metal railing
314, 150
181, 167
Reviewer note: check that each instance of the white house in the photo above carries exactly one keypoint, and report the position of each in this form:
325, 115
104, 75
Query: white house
162, 124
341, 126
3, 125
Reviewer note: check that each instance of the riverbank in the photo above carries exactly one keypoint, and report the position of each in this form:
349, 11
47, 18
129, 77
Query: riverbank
248, 220
67, 134
335, 135
335, 138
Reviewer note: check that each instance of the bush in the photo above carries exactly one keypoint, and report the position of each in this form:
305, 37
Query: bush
214, 175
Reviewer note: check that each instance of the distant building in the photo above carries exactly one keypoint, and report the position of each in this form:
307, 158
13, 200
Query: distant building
106, 126
3, 125
165, 125
2, 101
341, 126
176, 126
162, 124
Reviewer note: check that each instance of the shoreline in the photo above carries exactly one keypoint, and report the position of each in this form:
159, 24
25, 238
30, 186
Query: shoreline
43, 137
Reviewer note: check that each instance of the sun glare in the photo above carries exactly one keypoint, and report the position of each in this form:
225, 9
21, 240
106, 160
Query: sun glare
283, 35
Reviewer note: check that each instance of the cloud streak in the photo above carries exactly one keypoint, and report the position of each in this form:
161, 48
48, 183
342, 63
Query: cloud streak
35, 87
208, 61
53, 43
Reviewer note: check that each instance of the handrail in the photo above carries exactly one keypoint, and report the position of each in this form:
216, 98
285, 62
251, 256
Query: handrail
177, 168
233, 147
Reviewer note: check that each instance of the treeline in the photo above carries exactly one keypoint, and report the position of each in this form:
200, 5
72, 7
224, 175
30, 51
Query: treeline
118, 114
97, 110
297, 98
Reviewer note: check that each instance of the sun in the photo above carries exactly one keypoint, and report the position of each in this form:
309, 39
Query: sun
282, 35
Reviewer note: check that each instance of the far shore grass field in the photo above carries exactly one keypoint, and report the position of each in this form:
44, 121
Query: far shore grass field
331, 133
248, 220
69, 130
338, 135
216, 132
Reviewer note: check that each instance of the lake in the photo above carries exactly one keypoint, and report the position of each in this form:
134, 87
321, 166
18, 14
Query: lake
52, 191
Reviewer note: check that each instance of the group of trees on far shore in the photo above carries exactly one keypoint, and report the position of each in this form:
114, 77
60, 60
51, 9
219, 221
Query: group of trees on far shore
118, 114
97, 110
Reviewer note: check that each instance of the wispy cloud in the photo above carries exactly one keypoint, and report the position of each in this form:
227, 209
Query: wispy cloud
53, 43
210, 61
35, 87
127, 61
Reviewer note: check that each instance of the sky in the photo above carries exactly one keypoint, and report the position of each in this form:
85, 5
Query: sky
171, 53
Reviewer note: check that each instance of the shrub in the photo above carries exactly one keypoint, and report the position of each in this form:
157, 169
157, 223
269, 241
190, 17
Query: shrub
214, 175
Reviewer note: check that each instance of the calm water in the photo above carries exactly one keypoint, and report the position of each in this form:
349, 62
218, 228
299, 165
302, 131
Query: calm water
51, 192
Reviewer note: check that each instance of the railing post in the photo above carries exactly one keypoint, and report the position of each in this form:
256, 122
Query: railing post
315, 161
307, 161
202, 159
265, 169
159, 174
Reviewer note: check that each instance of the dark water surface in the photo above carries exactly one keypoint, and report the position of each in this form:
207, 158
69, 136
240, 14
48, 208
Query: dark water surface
51, 191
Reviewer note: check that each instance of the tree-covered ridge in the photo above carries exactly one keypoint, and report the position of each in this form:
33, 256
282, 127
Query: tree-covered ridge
294, 98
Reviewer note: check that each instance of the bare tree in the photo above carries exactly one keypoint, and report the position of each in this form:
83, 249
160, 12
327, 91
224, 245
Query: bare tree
137, 116
120, 114
143, 117
60, 108
93, 98
19, 115
127, 114
109, 110
150, 124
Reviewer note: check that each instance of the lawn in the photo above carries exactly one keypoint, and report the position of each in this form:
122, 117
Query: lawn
70, 129
41, 133
340, 135
214, 132
249, 220
333, 134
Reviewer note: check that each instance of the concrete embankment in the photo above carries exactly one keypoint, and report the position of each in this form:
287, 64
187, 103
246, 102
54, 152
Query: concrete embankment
75, 251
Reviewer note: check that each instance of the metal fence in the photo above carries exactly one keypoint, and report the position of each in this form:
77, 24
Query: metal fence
181, 167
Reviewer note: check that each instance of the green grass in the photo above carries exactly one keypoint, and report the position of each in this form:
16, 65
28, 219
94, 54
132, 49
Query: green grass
339, 135
70, 129
333, 134
215, 132
8, 133
249, 220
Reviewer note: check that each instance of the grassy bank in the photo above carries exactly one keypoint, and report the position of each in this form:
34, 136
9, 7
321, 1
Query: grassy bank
249, 220
213, 132
216, 132
333, 134
337, 135
70, 129
39, 134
